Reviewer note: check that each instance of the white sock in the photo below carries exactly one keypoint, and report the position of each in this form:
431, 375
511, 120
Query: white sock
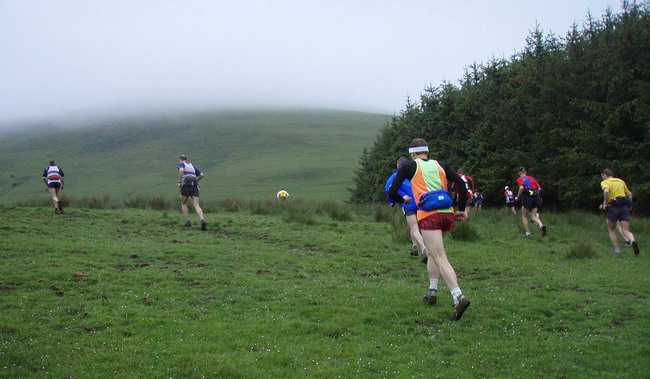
527, 233
424, 251
456, 293
433, 284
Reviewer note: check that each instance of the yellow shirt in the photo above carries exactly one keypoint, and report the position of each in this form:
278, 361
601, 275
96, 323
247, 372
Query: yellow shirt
617, 187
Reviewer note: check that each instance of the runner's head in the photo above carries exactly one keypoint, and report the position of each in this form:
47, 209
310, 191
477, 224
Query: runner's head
507, 188
607, 173
183, 158
522, 171
401, 161
418, 148
460, 172
52, 163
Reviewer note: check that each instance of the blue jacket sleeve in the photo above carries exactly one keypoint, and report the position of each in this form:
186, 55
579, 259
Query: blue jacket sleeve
387, 187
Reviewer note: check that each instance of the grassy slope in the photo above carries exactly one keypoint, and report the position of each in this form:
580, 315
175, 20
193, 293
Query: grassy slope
244, 154
256, 296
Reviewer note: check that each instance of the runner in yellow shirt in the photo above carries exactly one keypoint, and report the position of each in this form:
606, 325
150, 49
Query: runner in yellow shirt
617, 201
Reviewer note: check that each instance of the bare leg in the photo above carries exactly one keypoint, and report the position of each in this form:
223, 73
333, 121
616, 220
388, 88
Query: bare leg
534, 216
620, 230
186, 212
414, 229
197, 208
54, 193
524, 219
434, 240
432, 267
611, 226
625, 226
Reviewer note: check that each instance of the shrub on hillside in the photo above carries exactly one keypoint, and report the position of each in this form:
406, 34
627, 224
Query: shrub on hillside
581, 250
158, 203
400, 231
299, 216
464, 231
337, 211
232, 205
383, 214
136, 202
92, 202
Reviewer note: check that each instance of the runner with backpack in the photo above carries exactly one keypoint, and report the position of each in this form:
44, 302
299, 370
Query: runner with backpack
188, 181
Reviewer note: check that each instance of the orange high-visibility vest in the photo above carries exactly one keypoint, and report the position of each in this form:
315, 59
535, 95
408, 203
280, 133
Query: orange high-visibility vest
429, 176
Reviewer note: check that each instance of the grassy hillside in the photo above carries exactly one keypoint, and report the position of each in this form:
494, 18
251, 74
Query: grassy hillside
243, 154
314, 290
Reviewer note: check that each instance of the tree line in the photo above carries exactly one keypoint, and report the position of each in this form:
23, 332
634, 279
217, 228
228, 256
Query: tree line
564, 107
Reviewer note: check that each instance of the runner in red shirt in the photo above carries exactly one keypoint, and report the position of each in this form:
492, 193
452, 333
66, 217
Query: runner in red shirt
529, 192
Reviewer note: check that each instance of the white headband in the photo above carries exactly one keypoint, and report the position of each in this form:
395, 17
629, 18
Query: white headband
419, 149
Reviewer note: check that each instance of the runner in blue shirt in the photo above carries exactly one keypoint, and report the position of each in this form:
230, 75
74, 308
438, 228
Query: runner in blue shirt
410, 212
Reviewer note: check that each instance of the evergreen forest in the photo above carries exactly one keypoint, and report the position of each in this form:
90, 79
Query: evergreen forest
565, 107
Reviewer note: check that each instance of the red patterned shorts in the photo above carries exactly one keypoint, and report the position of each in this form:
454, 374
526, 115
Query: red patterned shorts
438, 221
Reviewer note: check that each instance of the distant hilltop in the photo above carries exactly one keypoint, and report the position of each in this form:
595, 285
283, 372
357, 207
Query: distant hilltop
244, 153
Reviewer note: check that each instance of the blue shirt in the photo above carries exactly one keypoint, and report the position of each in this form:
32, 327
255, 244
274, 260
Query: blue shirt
404, 190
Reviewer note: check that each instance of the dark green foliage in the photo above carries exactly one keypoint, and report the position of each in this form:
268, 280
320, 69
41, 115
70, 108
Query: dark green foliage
565, 108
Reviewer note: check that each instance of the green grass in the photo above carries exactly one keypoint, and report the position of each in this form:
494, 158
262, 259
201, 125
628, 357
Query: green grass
259, 295
248, 155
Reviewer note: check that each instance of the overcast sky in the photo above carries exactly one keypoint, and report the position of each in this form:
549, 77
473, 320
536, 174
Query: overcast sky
67, 57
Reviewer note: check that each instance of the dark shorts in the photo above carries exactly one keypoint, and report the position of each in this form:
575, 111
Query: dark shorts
408, 212
190, 187
531, 203
510, 204
618, 214
438, 221
54, 185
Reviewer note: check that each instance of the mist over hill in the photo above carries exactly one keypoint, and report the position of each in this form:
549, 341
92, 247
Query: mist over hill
244, 154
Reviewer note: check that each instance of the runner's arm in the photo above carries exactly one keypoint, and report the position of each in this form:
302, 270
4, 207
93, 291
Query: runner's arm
521, 189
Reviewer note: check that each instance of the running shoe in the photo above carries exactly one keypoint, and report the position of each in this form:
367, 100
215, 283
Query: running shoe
203, 225
188, 224
414, 251
424, 260
430, 298
460, 308
635, 247
544, 231
616, 251
56, 211
627, 244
